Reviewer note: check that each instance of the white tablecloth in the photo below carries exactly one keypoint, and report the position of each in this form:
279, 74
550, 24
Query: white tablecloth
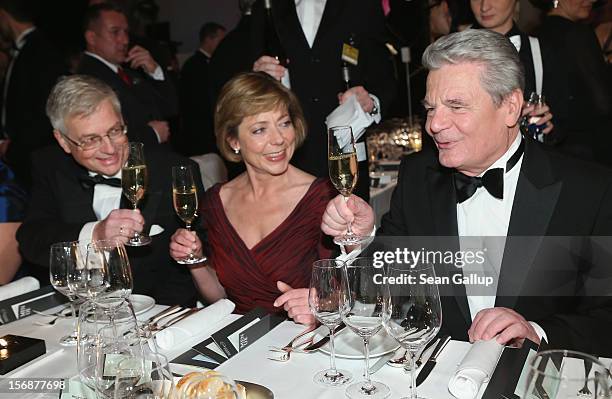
287, 380
380, 200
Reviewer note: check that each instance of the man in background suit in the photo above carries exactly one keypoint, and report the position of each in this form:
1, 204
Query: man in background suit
79, 197
312, 34
147, 98
31, 74
197, 125
483, 179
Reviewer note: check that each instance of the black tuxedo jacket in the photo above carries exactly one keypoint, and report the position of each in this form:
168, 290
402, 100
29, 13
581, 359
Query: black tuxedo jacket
35, 72
197, 131
555, 196
143, 101
316, 73
60, 207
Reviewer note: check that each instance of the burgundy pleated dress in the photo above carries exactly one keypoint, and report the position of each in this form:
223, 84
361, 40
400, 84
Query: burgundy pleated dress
249, 276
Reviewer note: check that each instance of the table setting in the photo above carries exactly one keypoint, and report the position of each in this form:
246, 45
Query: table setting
371, 341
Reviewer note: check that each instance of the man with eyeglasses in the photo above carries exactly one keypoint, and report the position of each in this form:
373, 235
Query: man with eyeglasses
76, 193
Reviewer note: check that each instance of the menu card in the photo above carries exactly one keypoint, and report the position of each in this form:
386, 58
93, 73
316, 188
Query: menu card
230, 340
23, 305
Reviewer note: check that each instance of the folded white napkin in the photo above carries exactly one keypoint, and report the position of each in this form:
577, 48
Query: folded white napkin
194, 324
476, 368
18, 287
349, 114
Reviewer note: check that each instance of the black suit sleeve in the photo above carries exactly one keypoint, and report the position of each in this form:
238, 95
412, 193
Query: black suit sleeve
43, 224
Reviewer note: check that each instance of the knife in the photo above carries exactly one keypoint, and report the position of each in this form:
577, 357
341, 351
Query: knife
431, 362
324, 340
383, 360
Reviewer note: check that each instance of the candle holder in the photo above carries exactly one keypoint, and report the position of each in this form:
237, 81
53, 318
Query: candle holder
16, 350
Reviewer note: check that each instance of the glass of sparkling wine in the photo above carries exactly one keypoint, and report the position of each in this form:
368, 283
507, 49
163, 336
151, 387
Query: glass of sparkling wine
134, 184
343, 171
185, 198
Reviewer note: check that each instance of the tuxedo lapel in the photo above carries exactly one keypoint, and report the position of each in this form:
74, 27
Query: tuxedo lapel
444, 218
331, 14
79, 204
288, 25
535, 200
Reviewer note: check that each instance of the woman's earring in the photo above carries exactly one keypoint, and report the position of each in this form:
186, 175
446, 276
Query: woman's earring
237, 151
555, 3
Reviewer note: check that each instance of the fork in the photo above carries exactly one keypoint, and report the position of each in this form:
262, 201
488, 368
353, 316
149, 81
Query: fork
178, 317
287, 349
289, 346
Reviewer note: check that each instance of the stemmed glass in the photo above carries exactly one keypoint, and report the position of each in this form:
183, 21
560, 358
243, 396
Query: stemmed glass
362, 312
343, 171
559, 373
107, 259
134, 184
185, 198
324, 300
528, 123
145, 375
64, 260
412, 311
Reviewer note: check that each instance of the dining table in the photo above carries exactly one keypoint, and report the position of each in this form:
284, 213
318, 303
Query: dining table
291, 379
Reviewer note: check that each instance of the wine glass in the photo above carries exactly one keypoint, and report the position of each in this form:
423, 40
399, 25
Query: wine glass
559, 373
102, 345
145, 375
343, 171
64, 259
362, 312
528, 123
107, 259
134, 184
324, 300
185, 198
87, 278
412, 311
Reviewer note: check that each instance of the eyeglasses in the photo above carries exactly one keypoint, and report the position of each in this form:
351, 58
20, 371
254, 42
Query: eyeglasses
114, 134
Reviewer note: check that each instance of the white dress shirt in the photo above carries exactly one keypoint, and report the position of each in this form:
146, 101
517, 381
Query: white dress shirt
105, 199
483, 215
310, 13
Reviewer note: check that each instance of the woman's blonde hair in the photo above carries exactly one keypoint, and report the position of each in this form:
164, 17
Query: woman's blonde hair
249, 94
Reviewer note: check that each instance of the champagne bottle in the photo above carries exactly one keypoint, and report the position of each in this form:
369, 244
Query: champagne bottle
274, 48
346, 69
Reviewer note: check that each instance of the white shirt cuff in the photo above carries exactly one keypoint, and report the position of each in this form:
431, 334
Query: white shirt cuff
86, 233
158, 74
539, 330
344, 257
376, 116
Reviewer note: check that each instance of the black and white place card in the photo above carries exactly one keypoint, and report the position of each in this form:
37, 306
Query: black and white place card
244, 331
230, 340
510, 377
23, 305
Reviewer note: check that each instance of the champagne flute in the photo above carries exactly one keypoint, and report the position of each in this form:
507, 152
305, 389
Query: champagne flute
134, 184
362, 312
185, 198
343, 172
64, 259
412, 312
324, 300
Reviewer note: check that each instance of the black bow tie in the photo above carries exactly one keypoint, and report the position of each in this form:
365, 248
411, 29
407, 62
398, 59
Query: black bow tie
492, 180
90, 181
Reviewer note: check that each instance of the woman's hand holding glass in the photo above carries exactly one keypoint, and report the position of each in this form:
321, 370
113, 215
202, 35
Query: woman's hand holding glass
185, 242
185, 199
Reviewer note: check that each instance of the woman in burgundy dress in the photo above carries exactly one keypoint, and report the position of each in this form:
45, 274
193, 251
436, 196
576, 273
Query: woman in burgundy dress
263, 227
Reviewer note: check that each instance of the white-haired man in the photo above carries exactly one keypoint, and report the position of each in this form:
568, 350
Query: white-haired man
483, 179
76, 193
